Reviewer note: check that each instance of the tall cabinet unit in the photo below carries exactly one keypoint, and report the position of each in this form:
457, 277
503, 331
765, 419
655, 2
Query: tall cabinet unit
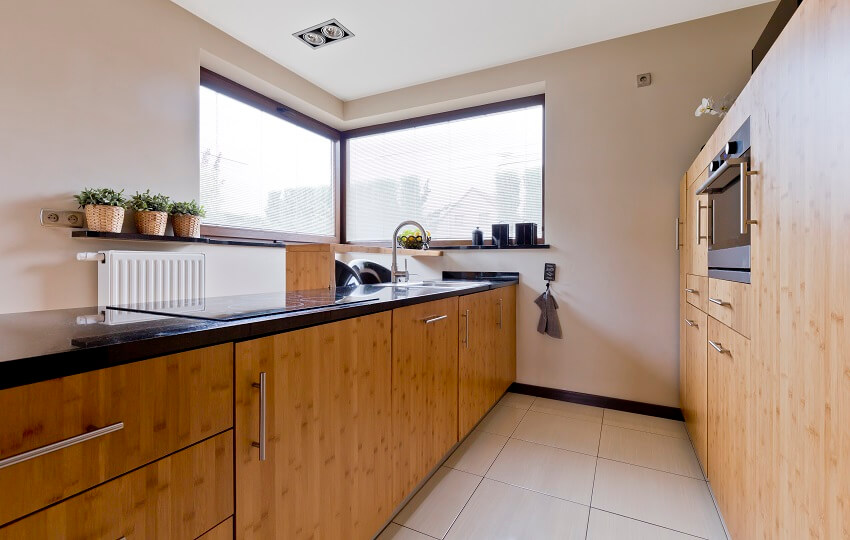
314, 431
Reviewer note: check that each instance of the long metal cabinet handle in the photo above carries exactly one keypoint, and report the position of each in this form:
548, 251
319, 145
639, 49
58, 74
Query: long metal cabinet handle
718, 347
717, 301
745, 196
713, 221
59, 445
466, 339
500, 313
700, 238
678, 240
430, 320
261, 445
691, 323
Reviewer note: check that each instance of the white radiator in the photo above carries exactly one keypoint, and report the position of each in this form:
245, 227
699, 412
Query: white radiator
132, 277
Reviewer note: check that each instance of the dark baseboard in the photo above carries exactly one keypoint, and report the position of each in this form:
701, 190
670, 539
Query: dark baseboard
638, 407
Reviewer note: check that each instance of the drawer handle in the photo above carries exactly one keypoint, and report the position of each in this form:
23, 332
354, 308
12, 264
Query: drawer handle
430, 320
261, 386
691, 323
718, 347
692, 291
717, 301
25, 456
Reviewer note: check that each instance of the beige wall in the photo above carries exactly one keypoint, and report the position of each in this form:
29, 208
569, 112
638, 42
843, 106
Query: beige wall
614, 156
95, 93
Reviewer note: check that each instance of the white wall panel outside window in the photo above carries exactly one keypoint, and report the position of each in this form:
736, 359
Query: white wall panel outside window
259, 171
450, 176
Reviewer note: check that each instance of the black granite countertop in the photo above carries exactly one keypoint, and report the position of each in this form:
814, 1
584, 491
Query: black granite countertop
41, 345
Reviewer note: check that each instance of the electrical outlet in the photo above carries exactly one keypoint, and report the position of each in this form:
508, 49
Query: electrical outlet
644, 79
62, 218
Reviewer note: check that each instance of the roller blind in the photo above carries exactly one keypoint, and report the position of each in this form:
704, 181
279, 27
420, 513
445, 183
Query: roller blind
259, 171
450, 176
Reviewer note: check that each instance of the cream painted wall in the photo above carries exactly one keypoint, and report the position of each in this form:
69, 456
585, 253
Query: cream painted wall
614, 156
102, 93
95, 92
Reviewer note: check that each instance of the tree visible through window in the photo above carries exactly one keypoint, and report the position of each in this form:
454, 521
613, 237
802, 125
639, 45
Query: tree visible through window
451, 176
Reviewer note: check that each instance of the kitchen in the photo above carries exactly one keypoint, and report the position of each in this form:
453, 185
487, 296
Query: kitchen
112, 95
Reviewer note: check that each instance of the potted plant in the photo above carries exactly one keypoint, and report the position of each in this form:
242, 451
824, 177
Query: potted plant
104, 208
186, 218
151, 212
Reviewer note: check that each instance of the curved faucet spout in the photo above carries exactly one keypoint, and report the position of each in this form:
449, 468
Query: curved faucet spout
394, 270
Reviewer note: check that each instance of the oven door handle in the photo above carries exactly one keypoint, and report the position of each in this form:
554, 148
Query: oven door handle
745, 195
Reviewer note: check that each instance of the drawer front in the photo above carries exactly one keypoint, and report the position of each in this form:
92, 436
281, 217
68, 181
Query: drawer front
154, 407
696, 291
179, 497
730, 303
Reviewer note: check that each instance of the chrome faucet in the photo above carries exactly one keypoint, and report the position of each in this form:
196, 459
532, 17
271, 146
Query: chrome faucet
396, 273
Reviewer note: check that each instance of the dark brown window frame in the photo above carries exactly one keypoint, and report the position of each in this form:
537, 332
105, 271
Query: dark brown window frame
225, 86
457, 114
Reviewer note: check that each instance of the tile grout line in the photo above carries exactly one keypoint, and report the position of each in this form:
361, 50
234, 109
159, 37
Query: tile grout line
650, 523
649, 468
485, 472
536, 492
593, 485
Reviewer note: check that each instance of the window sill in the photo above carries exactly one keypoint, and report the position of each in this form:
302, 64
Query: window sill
152, 238
495, 248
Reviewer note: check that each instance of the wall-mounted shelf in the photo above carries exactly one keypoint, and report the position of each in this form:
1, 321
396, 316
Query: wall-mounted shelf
351, 248
134, 237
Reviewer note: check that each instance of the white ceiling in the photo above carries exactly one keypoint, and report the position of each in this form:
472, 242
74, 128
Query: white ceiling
400, 43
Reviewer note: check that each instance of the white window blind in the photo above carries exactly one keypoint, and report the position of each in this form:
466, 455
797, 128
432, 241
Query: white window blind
259, 171
451, 176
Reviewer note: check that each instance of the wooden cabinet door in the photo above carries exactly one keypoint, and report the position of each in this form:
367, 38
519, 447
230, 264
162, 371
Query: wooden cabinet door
695, 402
728, 433
697, 226
424, 389
506, 340
477, 329
178, 497
328, 466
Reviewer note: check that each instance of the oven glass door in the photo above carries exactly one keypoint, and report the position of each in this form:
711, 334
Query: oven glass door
725, 218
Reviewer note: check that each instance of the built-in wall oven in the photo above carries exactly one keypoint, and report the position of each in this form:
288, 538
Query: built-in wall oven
728, 190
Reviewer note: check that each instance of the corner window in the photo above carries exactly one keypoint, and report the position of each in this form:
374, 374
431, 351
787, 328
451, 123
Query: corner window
451, 172
266, 171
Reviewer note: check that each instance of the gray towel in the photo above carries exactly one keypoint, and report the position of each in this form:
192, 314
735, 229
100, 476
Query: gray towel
549, 323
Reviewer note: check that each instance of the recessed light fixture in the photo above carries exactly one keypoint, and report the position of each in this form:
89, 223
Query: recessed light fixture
323, 34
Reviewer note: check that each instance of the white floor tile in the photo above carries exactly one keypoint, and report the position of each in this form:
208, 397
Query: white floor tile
565, 408
668, 500
498, 511
435, 507
502, 420
477, 452
660, 452
607, 526
559, 431
640, 422
395, 531
552, 471
520, 401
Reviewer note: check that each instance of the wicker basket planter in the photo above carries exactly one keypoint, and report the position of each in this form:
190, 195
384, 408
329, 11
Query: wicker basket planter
186, 225
149, 222
103, 218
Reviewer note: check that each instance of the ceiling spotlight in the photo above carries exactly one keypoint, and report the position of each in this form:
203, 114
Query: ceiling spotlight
313, 39
323, 34
332, 31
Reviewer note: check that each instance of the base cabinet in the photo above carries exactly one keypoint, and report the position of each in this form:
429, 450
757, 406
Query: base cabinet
180, 496
478, 320
424, 390
695, 404
328, 431
505, 338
